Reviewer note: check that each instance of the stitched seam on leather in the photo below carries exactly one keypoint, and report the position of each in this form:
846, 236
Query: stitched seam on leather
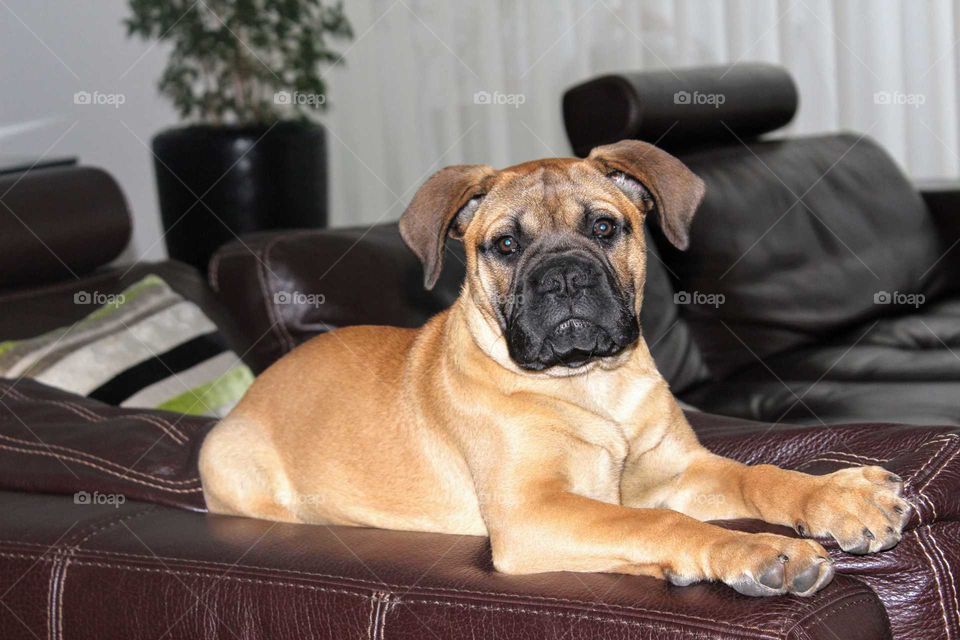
936, 576
98, 467
378, 602
933, 507
926, 464
947, 573
195, 574
69, 406
820, 459
387, 608
920, 490
821, 614
92, 416
61, 557
41, 448
939, 470
103, 461
762, 634
531, 599
267, 266
668, 618
373, 608
854, 455
95, 531
272, 315
53, 573
210, 564
63, 582
83, 562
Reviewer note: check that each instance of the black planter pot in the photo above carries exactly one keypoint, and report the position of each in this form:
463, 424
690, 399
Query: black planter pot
246, 179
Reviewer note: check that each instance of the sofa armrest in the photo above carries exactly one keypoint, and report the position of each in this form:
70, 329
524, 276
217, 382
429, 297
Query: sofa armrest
924, 564
285, 287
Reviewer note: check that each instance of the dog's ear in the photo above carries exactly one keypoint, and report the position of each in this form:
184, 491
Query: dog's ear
444, 205
653, 179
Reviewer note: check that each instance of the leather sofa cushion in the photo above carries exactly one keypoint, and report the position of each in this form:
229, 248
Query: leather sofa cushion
796, 238
59, 223
287, 287
64, 444
902, 369
143, 571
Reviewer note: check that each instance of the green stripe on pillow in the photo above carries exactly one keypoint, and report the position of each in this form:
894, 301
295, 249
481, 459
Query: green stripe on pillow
224, 391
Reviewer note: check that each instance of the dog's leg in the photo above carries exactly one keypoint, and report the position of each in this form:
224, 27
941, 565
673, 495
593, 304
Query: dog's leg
552, 529
860, 507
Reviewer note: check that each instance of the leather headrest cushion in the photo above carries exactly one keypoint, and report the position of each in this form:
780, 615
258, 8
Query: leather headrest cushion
680, 107
59, 223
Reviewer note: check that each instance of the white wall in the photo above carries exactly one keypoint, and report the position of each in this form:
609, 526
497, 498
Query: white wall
54, 48
403, 105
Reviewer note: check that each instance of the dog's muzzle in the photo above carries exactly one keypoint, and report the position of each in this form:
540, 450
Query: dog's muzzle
569, 311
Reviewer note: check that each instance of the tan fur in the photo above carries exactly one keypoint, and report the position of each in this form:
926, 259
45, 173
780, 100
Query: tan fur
593, 469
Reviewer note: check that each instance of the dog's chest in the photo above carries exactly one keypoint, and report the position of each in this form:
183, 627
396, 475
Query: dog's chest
596, 460
603, 435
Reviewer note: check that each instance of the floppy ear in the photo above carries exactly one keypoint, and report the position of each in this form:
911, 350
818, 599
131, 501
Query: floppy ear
652, 178
442, 206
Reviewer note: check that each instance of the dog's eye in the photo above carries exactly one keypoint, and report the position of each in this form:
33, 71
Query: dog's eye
507, 245
604, 228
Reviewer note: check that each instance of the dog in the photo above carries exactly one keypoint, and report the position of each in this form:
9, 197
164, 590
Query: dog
531, 410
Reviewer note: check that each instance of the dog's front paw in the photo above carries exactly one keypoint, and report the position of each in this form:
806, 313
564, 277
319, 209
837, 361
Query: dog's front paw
860, 508
765, 564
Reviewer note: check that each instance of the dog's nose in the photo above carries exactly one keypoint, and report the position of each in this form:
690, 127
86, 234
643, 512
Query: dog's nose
565, 279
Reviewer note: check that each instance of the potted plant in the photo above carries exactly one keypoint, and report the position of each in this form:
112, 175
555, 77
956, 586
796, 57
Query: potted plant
246, 76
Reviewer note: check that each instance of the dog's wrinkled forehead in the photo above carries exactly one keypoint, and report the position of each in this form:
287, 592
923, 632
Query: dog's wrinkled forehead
549, 194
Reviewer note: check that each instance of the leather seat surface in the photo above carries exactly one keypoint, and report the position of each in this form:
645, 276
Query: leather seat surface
259, 575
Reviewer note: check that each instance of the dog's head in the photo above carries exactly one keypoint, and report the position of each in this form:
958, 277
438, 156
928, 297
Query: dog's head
555, 248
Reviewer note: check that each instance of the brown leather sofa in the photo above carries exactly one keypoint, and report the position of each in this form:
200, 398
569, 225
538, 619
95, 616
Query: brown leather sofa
154, 565
820, 285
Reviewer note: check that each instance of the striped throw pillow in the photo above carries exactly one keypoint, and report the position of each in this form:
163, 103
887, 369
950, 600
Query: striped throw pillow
146, 347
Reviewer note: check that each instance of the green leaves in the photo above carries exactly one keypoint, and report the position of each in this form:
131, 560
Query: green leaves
243, 61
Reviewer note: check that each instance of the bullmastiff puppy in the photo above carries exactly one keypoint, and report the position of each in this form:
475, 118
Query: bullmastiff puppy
531, 410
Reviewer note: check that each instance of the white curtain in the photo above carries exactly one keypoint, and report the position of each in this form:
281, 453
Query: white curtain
404, 104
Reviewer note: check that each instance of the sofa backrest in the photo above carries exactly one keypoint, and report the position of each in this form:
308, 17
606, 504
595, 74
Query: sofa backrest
286, 287
796, 241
